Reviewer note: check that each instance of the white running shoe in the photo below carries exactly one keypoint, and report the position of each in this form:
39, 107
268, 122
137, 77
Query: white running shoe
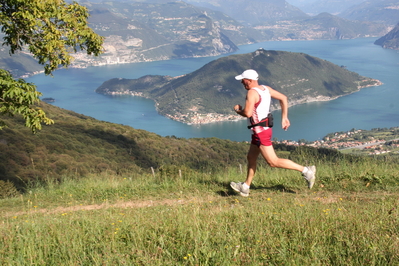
310, 176
238, 187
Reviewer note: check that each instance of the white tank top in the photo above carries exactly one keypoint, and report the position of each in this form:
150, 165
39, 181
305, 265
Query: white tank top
261, 110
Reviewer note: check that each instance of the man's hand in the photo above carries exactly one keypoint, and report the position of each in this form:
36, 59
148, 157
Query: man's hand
285, 123
237, 107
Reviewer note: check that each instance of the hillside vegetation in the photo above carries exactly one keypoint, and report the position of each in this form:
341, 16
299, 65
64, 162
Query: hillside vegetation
77, 145
81, 192
350, 217
213, 89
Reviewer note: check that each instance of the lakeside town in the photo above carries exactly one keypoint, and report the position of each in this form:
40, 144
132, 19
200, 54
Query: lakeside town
367, 142
198, 119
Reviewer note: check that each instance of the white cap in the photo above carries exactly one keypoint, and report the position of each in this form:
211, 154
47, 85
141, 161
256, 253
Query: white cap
248, 74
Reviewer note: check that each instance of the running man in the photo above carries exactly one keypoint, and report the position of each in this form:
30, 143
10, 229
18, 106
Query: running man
257, 109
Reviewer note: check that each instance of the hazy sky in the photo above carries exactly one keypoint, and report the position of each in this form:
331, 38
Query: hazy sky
300, 2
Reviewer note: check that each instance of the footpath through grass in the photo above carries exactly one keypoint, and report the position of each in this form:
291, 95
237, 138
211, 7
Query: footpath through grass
349, 218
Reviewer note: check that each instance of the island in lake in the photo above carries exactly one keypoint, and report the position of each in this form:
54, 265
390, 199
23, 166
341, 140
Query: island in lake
209, 93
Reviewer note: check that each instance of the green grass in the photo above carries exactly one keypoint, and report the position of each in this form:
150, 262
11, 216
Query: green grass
350, 217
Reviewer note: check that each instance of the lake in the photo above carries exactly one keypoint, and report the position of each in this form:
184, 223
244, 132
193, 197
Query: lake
374, 107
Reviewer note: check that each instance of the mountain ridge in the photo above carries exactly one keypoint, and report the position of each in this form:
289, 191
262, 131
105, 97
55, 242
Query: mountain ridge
162, 30
380, 11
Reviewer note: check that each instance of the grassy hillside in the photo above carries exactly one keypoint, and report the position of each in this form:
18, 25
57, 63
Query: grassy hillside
349, 218
77, 145
87, 196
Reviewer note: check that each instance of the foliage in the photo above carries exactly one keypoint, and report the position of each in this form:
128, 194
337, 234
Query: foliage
17, 96
51, 30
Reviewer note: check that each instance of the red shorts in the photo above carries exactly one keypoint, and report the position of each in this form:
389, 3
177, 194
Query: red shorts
263, 138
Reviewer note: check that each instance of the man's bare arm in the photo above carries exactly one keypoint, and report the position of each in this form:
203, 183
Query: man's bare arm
252, 98
285, 122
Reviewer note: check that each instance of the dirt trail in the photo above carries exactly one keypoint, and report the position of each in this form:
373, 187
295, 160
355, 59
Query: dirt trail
122, 204
321, 197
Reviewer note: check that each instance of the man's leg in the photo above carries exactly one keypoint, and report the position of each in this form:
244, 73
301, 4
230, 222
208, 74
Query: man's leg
271, 158
252, 156
243, 187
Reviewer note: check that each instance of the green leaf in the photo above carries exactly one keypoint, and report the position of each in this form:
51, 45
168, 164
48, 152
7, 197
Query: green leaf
50, 29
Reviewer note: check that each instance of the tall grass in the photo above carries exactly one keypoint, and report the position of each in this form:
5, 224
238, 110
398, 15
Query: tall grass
349, 218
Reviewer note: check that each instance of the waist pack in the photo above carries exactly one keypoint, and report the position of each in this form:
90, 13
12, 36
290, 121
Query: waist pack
265, 122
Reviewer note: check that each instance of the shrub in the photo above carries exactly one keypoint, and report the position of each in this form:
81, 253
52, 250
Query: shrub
7, 190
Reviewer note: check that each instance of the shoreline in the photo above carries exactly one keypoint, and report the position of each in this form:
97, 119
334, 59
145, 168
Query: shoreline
209, 118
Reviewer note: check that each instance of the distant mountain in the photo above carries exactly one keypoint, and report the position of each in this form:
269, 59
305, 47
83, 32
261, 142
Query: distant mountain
324, 27
254, 12
153, 30
278, 20
144, 31
137, 32
212, 91
381, 11
391, 40
315, 7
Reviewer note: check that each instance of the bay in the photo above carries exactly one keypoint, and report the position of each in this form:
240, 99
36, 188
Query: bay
374, 107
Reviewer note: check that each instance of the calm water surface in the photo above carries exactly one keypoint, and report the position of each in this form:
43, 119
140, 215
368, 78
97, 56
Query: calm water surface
370, 108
